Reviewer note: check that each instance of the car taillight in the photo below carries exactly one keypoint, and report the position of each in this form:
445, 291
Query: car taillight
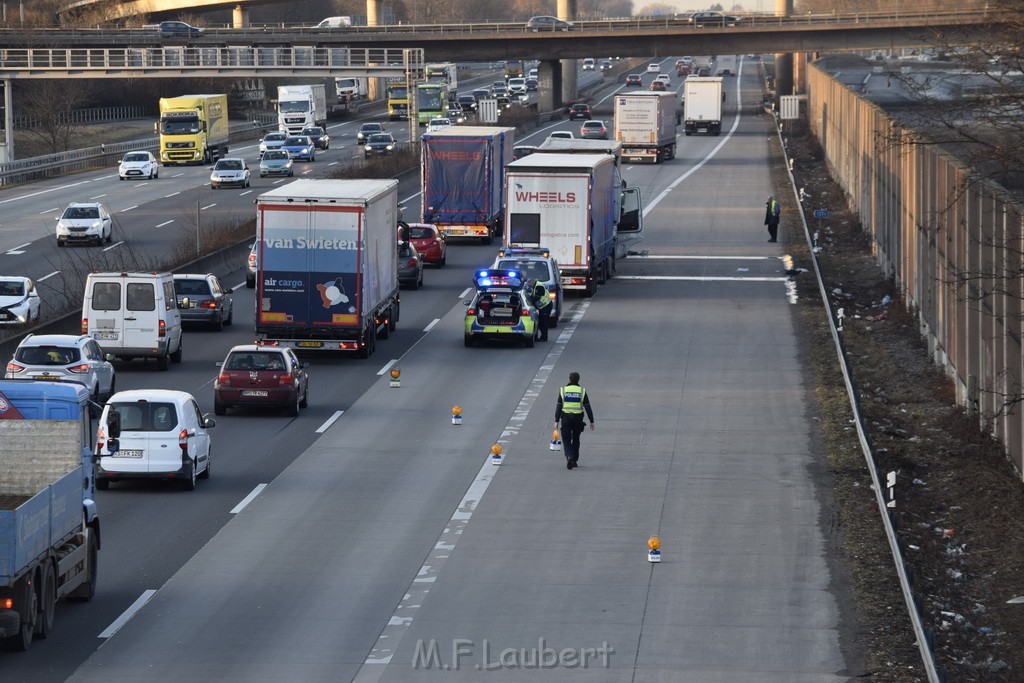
79, 369
252, 260
163, 329
101, 437
525, 311
14, 367
285, 379
224, 379
85, 326
183, 439
553, 294
411, 263
207, 304
469, 312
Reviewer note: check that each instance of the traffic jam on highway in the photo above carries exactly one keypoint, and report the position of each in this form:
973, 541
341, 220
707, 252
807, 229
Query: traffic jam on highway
326, 268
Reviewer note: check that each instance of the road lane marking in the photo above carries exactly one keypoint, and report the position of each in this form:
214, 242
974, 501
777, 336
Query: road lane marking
331, 420
429, 327
99, 196
702, 258
47, 277
387, 367
160, 225
279, 181
173, 194
52, 189
17, 251
177, 175
115, 244
334, 163
703, 278
242, 194
128, 613
208, 206
237, 287
129, 208
465, 292
394, 631
56, 208
248, 499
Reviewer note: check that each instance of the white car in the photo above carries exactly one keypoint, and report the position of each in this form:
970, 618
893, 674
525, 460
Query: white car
19, 300
438, 124
84, 222
163, 436
664, 78
230, 172
64, 356
272, 140
138, 165
562, 135
654, 68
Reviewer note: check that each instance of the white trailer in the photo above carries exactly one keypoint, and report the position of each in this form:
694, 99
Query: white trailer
702, 105
645, 124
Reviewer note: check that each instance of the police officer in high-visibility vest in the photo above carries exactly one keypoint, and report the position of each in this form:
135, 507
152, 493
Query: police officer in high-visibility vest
539, 294
771, 218
572, 402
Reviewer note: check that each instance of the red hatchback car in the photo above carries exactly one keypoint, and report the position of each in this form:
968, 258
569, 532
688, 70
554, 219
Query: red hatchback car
429, 242
255, 375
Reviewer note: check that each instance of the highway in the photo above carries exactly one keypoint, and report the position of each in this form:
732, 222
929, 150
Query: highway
386, 546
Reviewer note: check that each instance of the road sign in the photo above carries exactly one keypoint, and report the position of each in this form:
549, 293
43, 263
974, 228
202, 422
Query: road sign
789, 107
821, 213
488, 111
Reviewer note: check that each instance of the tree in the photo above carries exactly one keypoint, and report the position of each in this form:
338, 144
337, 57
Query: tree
50, 103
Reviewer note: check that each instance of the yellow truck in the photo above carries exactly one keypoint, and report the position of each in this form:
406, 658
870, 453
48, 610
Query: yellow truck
398, 100
193, 129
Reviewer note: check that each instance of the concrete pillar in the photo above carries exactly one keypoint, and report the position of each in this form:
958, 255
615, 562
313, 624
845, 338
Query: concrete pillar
566, 11
783, 62
549, 86
7, 144
373, 12
240, 17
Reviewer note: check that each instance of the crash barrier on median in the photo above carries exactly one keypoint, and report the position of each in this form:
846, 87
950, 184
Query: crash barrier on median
34, 168
90, 115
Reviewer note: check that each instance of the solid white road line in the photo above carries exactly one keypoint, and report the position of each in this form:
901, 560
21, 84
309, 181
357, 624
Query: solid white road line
128, 613
160, 225
115, 244
36, 194
248, 499
703, 278
99, 196
331, 420
242, 194
47, 277
208, 206
16, 251
429, 327
56, 208
129, 208
704, 258
465, 292
173, 194
387, 367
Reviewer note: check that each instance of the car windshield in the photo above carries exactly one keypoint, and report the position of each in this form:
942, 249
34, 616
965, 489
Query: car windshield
419, 232
380, 138
229, 165
81, 212
312, 131
255, 360
370, 128
295, 142
593, 124
533, 269
136, 156
275, 154
274, 137
191, 287
12, 288
47, 355
143, 416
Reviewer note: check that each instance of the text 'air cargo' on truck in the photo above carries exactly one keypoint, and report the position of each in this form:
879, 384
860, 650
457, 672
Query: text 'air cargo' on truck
328, 264
645, 124
702, 105
299, 106
463, 179
193, 129
49, 525
571, 204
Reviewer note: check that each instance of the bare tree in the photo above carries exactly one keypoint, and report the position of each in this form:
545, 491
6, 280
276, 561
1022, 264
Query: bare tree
51, 103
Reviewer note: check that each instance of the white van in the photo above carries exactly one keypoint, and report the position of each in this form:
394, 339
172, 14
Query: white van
335, 22
134, 315
588, 64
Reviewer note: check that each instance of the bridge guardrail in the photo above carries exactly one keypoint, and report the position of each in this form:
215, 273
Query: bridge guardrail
59, 163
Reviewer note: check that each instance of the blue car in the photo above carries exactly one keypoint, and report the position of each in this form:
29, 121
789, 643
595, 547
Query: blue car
276, 162
300, 147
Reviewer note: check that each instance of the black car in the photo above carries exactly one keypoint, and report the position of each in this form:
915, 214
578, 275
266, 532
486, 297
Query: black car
177, 28
532, 84
467, 103
579, 111
368, 129
410, 266
380, 144
319, 136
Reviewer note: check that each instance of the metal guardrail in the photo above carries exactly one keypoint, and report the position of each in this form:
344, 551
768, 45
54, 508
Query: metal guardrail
60, 163
90, 115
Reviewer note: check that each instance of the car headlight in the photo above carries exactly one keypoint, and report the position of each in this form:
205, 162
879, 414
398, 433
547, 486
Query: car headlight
369, 149
391, 146
97, 224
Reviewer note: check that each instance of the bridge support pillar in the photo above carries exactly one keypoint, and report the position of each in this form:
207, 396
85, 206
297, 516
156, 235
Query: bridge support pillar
783, 61
7, 143
240, 17
549, 80
373, 12
566, 10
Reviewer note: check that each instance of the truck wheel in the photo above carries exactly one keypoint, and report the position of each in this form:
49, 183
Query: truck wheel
48, 603
591, 287
385, 329
250, 282
22, 640
487, 240
396, 311
87, 590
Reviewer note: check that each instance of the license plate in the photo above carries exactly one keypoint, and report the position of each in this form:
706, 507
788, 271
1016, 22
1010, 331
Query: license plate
501, 313
127, 454
457, 231
46, 376
254, 393
105, 335
310, 344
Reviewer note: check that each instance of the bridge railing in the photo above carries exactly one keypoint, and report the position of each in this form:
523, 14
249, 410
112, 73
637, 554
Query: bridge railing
33, 168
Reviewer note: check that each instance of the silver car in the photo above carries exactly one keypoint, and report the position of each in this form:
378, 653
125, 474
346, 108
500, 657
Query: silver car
251, 266
64, 356
19, 300
208, 303
272, 140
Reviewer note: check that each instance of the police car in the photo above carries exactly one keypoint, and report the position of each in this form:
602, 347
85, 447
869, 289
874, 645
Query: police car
537, 264
500, 309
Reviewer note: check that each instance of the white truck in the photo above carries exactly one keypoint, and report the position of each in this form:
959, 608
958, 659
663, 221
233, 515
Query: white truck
570, 204
702, 105
299, 106
350, 92
645, 124
446, 73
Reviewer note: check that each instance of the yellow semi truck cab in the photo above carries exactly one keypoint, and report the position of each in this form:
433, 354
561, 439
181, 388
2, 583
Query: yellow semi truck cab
193, 129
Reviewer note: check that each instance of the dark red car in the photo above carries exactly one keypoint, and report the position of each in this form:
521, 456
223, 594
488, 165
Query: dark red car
429, 242
258, 375
658, 86
634, 79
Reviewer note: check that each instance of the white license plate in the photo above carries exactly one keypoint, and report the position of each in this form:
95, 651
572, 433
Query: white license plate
254, 393
501, 313
456, 231
127, 454
105, 335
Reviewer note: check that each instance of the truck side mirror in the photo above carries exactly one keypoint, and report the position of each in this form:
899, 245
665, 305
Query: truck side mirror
113, 423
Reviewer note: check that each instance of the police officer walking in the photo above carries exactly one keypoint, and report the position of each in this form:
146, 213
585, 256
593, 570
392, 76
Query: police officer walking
539, 294
771, 218
572, 401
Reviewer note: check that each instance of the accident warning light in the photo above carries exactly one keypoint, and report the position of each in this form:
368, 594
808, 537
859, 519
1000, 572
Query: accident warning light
556, 441
496, 451
456, 415
396, 373
654, 549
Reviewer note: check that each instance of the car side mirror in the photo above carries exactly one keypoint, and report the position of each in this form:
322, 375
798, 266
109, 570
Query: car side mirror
184, 302
209, 422
113, 424
219, 363
305, 366
109, 357
467, 302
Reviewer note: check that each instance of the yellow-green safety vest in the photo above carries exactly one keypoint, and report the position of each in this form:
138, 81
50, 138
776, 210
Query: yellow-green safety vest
572, 399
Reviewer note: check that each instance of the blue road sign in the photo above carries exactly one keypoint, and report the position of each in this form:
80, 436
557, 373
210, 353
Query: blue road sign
821, 213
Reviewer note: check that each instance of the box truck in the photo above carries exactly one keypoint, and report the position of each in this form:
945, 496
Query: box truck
702, 105
49, 524
645, 124
327, 278
567, 204
463, 179
299, 106
193, 129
